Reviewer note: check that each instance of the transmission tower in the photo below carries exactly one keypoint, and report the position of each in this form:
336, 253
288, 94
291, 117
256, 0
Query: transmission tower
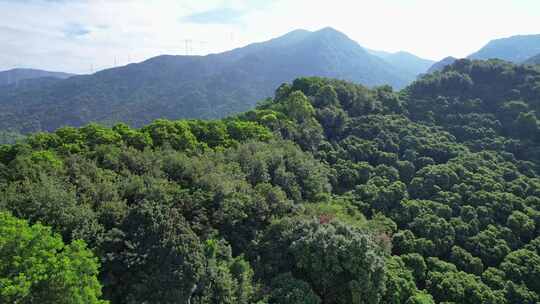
16, 79
188, 47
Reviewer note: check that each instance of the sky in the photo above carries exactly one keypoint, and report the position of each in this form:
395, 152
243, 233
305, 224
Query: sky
83, 36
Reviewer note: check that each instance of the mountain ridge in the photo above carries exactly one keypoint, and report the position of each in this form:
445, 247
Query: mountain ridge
14, 76
210, 86
516, 49
406, 62
439, 65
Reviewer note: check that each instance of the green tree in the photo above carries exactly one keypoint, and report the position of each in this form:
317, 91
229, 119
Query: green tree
155, 257
287, 289
224, 279
177, 134
521, 224
465, 261
298, 107
37, 267
353, 267
400, 284
420, 298
523, 267
460, 287
417, 265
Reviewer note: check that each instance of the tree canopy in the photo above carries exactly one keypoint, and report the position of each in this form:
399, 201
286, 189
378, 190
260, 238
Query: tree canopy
330, 192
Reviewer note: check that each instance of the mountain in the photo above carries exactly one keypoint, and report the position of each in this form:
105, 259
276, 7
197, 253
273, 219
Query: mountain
515, 49
438, 66
14, 76
408, 63
533, 60
209, 86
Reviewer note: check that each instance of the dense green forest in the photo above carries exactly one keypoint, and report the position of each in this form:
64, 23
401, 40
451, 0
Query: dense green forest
328, 193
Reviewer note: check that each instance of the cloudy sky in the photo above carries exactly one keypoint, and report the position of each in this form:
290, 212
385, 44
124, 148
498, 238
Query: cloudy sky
81, 36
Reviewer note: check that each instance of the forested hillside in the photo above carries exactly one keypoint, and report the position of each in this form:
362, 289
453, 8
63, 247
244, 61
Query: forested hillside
329, 192
202, 87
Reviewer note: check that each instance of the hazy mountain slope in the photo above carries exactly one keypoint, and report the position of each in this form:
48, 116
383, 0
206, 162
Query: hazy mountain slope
514, 49
194, 86
406, 62
438, 66
533, 60
14, 76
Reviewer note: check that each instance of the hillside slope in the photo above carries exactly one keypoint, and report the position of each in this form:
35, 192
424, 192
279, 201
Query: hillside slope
515, 49
210, 86
410, 64
439, 65
533, 60
14, 76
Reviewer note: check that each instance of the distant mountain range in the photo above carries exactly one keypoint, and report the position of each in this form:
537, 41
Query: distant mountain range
517, 49
15, 76
210, 86
407, 63
215, 85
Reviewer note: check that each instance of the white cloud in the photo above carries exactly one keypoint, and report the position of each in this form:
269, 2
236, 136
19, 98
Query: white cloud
75, 35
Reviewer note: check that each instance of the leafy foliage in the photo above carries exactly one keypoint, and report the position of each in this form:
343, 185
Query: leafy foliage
37, 267
328, 193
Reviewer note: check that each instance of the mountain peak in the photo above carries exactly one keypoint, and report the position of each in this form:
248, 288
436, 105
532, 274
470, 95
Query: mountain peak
330, 32
295, 33
328, 29
330, 39
299, 39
